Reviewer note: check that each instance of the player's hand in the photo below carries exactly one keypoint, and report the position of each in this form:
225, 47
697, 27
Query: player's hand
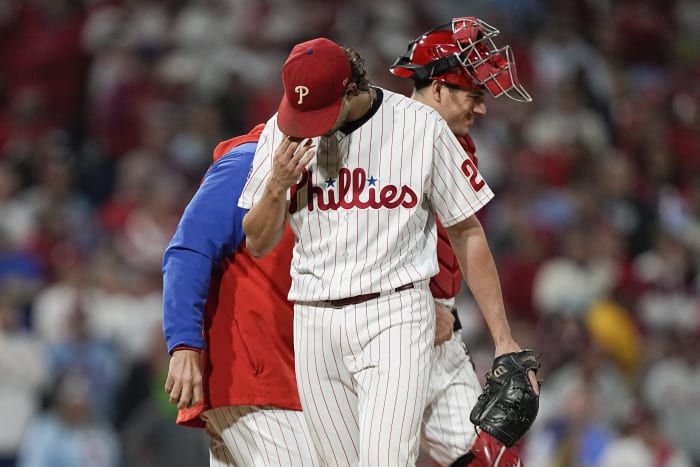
290, 159
444, 323
184, 382
512, 346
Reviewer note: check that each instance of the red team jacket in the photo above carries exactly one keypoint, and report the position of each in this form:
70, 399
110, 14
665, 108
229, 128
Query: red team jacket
249, 358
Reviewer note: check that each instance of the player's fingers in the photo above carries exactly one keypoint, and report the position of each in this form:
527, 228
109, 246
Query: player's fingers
174, 393
286, 149
294, 139
298, 146
306, 158
185, 397
304, 154
297, 149
441, 338
197, 395
300, 158
169, 382
288, 142
304, 144
289, 159
533, 381
292, 149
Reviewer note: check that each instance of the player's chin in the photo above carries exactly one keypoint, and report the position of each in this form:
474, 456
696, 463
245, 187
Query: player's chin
468, 123
463, 130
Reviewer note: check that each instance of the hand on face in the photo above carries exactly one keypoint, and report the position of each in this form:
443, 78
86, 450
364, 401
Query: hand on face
289, 160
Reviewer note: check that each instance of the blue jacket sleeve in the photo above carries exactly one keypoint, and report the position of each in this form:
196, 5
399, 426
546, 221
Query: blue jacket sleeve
210, 229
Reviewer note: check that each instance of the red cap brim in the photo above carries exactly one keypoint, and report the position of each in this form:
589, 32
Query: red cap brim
307, 124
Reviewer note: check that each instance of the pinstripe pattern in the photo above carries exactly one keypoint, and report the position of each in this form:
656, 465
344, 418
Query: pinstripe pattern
447, 433
413, 160
362, 372
255, 436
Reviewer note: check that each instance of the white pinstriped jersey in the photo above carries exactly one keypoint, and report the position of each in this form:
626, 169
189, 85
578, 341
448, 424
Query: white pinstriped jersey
364, 210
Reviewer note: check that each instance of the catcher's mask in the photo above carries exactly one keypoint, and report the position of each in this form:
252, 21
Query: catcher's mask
462, 53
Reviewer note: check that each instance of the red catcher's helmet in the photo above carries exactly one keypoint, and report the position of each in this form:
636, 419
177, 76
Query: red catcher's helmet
463, 53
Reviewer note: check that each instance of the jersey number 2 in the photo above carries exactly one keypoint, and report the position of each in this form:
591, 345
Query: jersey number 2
472, 174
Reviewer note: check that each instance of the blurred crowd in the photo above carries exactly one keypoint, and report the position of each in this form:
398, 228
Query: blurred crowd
109, 111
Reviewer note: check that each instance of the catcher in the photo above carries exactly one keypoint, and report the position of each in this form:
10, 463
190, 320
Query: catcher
452, 66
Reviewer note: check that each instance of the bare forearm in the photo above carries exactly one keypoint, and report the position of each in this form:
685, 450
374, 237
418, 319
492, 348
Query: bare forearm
264, 223
479, 271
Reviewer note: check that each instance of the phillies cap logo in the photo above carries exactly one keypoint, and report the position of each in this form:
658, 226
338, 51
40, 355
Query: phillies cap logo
302, 91
320, 65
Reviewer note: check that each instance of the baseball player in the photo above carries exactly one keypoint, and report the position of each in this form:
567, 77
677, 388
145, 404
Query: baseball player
228, 327
360, 173
196, 350
210, 335
452, 66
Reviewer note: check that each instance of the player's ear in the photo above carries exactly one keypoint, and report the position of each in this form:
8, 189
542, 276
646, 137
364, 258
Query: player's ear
436, 90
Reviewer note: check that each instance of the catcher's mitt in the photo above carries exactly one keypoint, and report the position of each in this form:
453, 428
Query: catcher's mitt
508, 406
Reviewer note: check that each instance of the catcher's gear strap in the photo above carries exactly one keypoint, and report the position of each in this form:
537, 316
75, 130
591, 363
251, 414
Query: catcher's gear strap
458, 324
423, 72
464, 461
446, 283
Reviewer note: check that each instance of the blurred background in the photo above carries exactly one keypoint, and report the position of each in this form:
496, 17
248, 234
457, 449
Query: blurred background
109, 111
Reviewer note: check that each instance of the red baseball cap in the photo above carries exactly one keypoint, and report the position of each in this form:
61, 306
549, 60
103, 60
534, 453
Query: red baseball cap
314, 77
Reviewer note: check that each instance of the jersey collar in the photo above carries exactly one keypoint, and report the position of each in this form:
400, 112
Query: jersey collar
352, 126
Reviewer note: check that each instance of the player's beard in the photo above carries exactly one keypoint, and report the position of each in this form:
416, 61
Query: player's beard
462, 126
328, 157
